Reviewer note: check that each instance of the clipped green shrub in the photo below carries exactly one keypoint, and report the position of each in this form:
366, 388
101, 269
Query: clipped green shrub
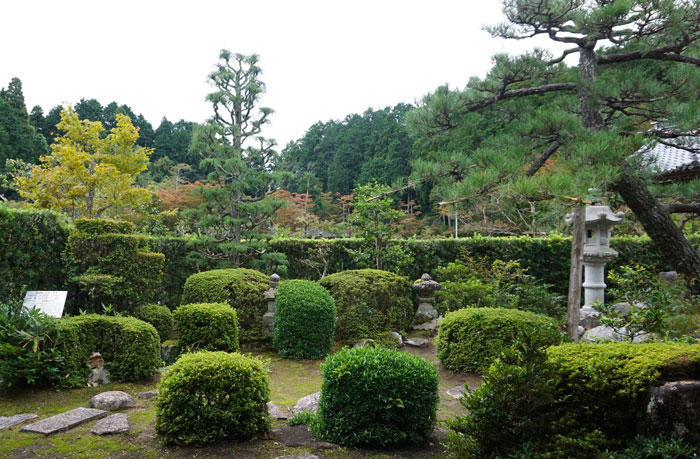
130, 347
304, 320
103, 226
470, 339
376, 396
369, 301
211, 396
207, 326
159, 316
243, 289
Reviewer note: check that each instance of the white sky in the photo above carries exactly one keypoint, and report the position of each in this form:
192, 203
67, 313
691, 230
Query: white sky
321, 60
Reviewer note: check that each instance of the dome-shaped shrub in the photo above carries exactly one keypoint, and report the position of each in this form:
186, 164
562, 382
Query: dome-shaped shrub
243, 289
377, 396
159, 316
369, 301
210, 396
304, 320
207, 326
470, 339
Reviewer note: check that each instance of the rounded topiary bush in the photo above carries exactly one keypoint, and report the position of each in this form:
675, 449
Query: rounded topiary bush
159, 316
369, 301
243, 289
210, 396
304, 320
377, 396
470, 339
207, 326
130, 347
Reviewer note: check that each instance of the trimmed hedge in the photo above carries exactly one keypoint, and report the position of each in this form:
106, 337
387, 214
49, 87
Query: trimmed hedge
369, 301
470, 339
103, 226
159, 316
607, 385
304, 320
211, 396
31, 243
378, 397
207, 326
130, 347
243, 289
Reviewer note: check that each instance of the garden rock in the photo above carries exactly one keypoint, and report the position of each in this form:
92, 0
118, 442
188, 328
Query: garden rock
674, 409
430, 325
398, 337
308, 403
605, 333
588, 317
148, 394
276, 412
112, 400
299, 456
417, 342
167, 352
10, 421
365, 342
64, 421
112, 424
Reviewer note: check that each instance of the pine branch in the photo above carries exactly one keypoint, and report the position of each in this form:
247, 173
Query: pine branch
539, 162
681, 208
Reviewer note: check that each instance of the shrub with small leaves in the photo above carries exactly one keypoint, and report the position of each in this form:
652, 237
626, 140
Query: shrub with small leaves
470, 339
207, 326
376, 396
212, 396
304, 320
159, 316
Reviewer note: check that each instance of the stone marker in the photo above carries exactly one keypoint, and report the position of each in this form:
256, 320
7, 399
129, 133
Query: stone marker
417, 342
49, 302
112, 424
308, 403
64, 421
10, 421
276, 412
148, 394
112, 400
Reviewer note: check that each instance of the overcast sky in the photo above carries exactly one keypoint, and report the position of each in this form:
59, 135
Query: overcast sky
321, 60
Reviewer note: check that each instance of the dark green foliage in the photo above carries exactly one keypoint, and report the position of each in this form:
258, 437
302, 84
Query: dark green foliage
211, 396
109, 268
369, 302
378, 397
28, 353
243, 289
470, 339
570, 401
130, 347
159, 316
31, 243
207, 326
655, 447
103, 226
304, 320
306, 418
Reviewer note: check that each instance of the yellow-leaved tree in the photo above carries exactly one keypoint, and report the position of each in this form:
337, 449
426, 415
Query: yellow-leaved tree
89, 174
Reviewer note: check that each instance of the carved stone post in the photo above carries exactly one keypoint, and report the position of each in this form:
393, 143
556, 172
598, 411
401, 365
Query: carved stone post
426, 317
269, 316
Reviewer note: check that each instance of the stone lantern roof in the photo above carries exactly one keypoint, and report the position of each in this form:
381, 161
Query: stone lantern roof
602, 214
426, 284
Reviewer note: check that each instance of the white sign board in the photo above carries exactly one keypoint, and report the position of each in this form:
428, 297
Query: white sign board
49, 302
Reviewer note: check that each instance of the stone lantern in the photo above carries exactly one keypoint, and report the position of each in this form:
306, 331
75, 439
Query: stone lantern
426, 316
269, 316
596, 252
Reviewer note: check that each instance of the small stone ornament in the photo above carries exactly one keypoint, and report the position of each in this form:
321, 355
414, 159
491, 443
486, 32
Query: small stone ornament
98, 374
426, 315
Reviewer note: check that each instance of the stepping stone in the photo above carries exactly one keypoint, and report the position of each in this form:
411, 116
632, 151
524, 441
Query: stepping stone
148, 394
10, 421
112, 400
417, 342
276, 412
299, 456
64, 421
308, 403
112, 424
457, 391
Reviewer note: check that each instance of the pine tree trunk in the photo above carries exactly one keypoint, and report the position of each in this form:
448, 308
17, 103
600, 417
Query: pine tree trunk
667, 236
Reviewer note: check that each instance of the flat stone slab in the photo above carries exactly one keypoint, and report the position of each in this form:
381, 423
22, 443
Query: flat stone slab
299, 456
148, 394
308, 403
417, 342
10, 421
299, 436
112, 400
64, 421
113, 424
276, 412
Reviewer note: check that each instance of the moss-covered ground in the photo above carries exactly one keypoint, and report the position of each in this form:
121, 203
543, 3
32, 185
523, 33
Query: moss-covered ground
289, 381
